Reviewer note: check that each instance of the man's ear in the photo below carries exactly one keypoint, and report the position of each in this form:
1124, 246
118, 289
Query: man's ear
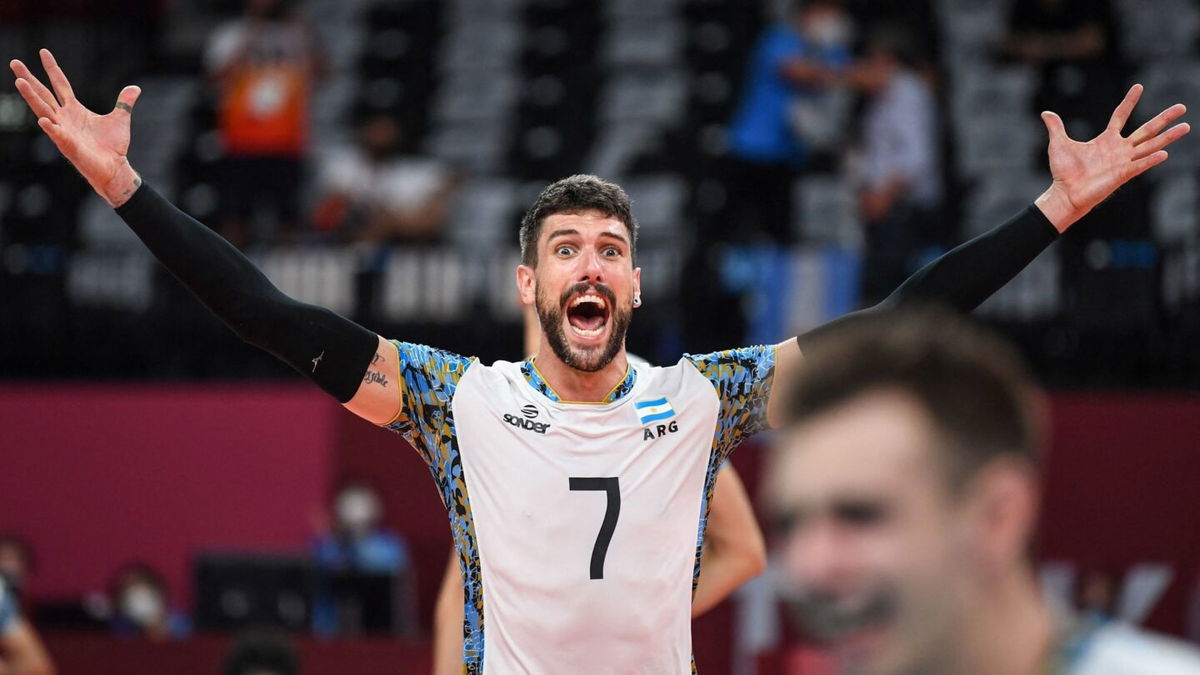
526, 285
637, 282
1004, 510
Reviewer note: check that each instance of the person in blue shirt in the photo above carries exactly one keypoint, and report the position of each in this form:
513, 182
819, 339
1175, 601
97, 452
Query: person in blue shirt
792, 65
356, 544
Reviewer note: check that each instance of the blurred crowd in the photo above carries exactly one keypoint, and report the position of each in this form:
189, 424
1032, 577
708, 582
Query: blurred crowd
788, 161
356, 580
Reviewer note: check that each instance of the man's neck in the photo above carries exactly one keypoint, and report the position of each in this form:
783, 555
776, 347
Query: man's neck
1011, 633
572, 384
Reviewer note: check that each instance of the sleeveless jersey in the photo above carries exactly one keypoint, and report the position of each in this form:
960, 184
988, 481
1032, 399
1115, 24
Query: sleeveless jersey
579, 526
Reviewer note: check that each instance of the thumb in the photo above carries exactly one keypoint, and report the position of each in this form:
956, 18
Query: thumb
1054, 125
128, 96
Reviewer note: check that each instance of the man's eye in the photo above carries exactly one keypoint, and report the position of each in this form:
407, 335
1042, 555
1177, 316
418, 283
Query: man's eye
612, 252
564, 250
862, 514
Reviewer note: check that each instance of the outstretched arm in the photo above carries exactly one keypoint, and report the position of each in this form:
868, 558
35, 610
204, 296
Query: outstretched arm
734, 551
334, 352
1084, 174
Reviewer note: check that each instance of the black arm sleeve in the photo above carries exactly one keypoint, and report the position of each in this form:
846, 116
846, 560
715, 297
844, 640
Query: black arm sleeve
330, 350
970, 273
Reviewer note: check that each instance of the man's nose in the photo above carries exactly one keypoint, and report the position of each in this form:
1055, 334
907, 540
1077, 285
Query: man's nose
590, 267
817, 557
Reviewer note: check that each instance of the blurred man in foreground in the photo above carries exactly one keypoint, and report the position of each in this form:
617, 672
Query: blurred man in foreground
906, 485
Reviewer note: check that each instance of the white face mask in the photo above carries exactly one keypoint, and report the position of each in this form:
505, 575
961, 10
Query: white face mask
357, 510
829, 30
142, 605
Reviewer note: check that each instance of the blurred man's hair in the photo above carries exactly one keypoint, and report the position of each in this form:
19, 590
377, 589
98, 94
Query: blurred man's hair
973, 385
575, 194
262, 651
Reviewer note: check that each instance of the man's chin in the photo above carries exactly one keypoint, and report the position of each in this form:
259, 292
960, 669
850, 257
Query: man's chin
589, 358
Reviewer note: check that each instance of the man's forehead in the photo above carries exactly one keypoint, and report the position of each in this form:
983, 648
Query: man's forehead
585, 222
877, 444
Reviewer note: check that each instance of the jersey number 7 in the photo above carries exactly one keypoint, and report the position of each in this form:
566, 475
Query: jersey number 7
611, 486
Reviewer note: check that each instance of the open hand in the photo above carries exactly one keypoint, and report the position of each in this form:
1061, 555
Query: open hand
96, 145
1085, 174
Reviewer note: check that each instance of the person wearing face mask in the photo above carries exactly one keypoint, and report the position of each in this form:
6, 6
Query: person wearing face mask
356, 544
790, 72
140, 606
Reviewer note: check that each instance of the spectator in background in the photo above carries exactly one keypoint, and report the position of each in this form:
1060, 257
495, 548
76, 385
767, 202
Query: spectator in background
1050, 32
791, 69
357, 543
1073, 45
261, 652
378, 192
16, 563
1097, 597
141, 608
265, 66
901, 187
21, 651
906, 483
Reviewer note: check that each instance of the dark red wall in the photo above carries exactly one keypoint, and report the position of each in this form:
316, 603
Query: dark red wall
1123, 486
98, 475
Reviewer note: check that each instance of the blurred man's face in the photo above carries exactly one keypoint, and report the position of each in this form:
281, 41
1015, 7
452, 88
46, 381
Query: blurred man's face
874, 550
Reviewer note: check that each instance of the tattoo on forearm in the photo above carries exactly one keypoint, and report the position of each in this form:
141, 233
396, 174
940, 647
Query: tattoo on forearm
378, 357
375, 377
137, 182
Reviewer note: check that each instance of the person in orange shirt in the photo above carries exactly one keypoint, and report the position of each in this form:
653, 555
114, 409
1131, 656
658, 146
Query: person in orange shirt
264, 66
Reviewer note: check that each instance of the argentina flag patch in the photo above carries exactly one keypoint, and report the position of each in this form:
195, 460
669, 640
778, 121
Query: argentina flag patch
651, 410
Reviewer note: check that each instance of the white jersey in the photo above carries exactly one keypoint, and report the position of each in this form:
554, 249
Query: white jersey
1119, 649
579, 525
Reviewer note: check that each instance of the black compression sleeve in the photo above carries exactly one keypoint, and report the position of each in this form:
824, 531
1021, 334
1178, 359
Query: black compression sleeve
970, 273
330, 350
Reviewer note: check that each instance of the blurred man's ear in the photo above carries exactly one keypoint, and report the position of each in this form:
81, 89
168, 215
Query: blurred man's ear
1003, 501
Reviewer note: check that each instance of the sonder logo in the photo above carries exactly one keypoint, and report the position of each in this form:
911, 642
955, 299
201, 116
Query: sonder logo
529, 412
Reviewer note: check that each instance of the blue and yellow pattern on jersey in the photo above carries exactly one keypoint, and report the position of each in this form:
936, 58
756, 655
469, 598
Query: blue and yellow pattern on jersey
428, 378
742, 378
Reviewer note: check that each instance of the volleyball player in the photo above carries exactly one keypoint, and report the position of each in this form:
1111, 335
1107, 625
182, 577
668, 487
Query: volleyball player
577, 485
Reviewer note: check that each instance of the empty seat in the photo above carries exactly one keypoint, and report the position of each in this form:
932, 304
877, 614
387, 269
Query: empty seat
485, 213
656, 95
658, 204
1173, 209
640, 43
826, 210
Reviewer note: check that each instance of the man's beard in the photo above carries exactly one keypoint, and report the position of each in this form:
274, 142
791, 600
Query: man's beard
592, 359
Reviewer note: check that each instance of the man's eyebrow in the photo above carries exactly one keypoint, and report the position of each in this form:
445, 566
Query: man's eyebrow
566, 232
614, 235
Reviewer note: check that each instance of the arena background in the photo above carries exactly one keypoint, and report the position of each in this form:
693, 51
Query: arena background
133, 426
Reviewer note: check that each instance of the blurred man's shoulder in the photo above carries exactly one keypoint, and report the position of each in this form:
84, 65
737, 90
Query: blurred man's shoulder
1119, 648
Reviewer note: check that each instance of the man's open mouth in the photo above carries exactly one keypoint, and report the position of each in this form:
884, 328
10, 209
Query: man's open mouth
588, 314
